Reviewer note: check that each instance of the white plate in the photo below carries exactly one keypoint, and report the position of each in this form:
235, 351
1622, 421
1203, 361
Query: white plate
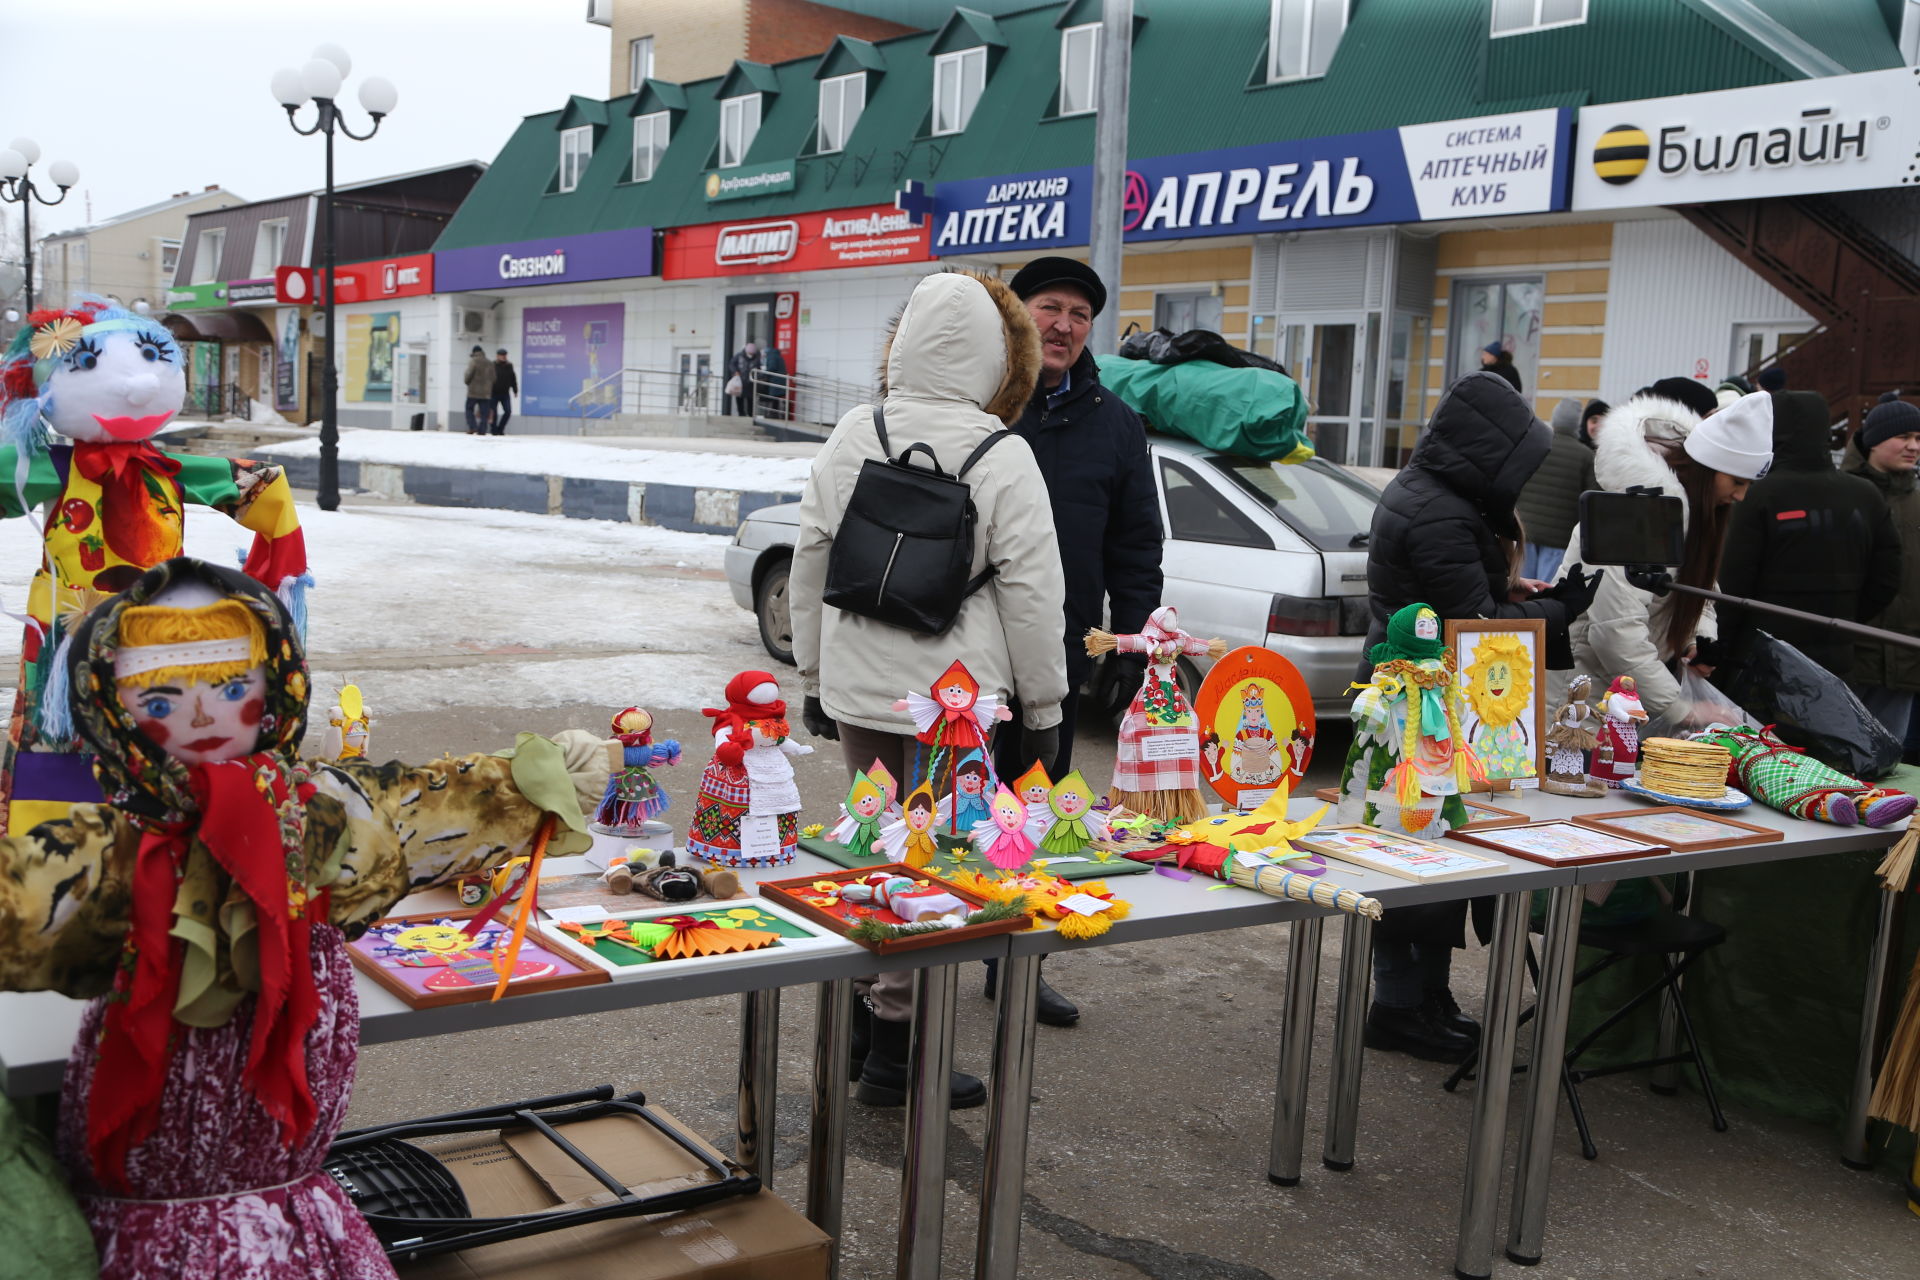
1727, 804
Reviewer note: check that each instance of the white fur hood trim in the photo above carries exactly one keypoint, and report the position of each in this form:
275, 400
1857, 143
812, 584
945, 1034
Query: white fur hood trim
1625, 458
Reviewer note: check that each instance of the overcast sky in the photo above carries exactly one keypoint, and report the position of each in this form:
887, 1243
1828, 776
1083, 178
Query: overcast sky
152, 97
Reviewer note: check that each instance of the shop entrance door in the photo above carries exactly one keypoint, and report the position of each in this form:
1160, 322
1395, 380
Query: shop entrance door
1327, 359
1754, 344
749, 319
695, 385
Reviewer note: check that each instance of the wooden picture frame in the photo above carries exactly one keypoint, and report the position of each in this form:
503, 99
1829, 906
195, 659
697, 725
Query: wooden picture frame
793, 894
1461, 639
1342, 843
372, 954
1486, 817
1560, 843
797, 936
1646, 823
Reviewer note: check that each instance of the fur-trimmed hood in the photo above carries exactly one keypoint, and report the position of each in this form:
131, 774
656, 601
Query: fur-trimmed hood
1626, 456
963, 336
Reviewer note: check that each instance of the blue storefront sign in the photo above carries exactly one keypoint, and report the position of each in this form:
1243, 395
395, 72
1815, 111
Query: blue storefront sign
597, 255
1451, 169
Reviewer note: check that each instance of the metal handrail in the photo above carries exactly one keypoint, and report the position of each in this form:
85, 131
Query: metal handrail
591, 388
805, 398
658, 392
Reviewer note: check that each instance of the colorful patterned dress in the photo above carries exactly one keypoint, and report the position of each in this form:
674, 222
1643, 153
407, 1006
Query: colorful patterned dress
1159, 737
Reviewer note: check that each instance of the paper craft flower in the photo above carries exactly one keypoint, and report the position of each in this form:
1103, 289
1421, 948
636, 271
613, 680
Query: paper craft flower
693, 936
55, 338
813, 829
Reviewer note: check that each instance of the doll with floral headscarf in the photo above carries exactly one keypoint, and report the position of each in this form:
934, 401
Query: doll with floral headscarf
204, 910
747, 812
83, 392
1157, 771
1409, 763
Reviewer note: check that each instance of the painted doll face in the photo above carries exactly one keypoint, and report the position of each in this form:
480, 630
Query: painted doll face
1035, 794
972, 783
1008, 813
868, 804
954, 697
201, 723
1427, 626
122, 385
919, 816
1071, 803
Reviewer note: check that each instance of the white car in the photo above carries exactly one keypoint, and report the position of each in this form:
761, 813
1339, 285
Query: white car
1256, 553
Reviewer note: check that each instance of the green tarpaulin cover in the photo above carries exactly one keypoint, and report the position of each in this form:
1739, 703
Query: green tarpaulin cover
1251, 413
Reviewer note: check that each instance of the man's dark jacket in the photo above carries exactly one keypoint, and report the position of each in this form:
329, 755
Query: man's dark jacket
1810, 537
1093, 452
505, 380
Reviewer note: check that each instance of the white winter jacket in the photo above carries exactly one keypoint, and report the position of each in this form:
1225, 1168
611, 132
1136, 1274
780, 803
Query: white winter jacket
1623, 632
960, 363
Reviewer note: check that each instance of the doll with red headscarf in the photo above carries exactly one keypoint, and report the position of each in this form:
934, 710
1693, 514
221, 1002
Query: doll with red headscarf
204, 911
954, 727
747, 813
1157, 771
1616, 757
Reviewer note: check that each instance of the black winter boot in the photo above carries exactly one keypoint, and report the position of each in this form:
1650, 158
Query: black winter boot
1050, 1007
1416, 1032
883, 1076
1445, 1009
862, 1039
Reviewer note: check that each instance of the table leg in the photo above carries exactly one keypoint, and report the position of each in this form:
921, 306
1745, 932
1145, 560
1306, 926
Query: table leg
923, 1184
1555, 996
1854, 1149
1296, 1052
1666, 1077
754, 1141
827, 1135
997, 1256
1349, 1022
1486, 1138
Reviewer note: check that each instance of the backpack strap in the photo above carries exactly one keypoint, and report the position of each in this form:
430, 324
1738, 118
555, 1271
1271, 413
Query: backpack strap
983, 446
880, 425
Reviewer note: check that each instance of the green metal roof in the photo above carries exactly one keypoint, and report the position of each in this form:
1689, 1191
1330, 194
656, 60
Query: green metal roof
1197, 72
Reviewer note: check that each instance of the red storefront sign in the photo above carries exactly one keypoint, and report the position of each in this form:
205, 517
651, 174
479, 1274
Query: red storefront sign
387, 278
868, 237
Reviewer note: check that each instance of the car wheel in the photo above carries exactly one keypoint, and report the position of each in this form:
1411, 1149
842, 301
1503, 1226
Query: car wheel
770, 608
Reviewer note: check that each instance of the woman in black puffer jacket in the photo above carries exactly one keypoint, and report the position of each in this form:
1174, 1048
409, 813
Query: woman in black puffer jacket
1445, 535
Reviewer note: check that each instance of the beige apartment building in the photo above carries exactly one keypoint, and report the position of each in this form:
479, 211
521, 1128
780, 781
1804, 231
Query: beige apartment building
130, 258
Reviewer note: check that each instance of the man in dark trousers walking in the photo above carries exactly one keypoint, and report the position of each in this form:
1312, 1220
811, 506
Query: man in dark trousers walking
1092, 450
505, 383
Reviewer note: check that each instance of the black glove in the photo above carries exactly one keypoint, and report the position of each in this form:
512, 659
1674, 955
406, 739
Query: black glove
1575, 591
818, 722
1042, 745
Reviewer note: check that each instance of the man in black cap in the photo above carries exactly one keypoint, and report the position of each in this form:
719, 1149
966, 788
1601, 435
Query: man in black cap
1093, 452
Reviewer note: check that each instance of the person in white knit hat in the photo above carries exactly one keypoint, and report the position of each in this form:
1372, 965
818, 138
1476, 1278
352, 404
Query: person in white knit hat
1662, 445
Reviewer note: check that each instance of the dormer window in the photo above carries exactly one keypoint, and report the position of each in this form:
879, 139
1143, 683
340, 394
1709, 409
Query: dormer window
958, 79
739, 122
650, 135
1517, 17
1303, 35
842, 99
576, 148
1079, 68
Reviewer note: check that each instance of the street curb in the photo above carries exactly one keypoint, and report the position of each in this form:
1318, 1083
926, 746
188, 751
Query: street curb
688, 508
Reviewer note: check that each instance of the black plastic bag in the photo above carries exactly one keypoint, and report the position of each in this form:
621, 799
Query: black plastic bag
1807, 705
1164, 346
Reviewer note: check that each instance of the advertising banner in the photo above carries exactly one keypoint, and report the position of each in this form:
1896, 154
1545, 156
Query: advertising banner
403, 277
567, 352
370, 343
1452, 169
597, 255
239, 291
1832, 133
872, 236
197, 297
750, 180
286, 352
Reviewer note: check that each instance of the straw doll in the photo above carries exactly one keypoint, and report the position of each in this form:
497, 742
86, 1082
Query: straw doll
746, 815
204, 908
1569, 739
1409, 763
1157, 771
634, 796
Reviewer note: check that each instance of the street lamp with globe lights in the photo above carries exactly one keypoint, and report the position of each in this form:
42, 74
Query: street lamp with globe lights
18, 187
319, 79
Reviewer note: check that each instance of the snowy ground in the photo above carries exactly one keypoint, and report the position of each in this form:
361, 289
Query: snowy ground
438, 608
558, 456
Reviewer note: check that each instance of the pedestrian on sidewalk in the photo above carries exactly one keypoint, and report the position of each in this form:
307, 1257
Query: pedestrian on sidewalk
740, 379
1885, 452
479, 391
505, 383
1495, 358
959, 364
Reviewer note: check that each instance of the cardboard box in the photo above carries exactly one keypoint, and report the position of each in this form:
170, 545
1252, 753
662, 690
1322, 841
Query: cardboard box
757, 1237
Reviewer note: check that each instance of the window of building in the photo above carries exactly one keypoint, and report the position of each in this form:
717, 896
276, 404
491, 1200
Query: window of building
739, 121
1910, 33
269, 247
1507, 311
1183, 311
1198, 512
958, 79
169, 257
649, 144
576, 148
1302, 35
842, 99
1515, 17
639, 62
206, 255
1079, 68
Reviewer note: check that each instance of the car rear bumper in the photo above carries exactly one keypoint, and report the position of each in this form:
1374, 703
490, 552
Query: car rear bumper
1327, 663
739, 563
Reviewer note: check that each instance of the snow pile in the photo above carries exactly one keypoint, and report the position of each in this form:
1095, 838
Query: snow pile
559, 456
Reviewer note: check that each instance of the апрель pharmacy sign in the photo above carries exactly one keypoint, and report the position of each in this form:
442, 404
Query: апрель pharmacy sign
1417, 173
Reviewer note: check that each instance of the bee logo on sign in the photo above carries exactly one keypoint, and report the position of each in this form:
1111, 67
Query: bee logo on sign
1620, 154
756, 243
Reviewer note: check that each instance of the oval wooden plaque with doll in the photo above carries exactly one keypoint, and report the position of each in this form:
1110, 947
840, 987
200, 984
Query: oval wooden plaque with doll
1256, 726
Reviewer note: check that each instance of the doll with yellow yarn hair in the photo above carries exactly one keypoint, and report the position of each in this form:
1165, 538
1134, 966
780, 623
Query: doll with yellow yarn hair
1409, 763
1498, 685
203, 910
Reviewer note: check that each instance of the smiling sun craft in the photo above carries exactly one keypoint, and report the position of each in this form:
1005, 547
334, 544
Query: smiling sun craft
83, 392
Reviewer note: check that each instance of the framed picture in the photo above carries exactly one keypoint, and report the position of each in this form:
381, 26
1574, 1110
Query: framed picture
627, 944
1560, 844
1482, 816
429, 960
1502, 673
1681, 829
1256, 726
1393, 854
806, 897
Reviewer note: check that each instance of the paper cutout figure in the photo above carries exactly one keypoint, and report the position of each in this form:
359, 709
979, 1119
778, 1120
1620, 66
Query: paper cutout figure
967, 802
1033, 785
889, 787
1004, 841
910, 838
1569, 740
953, 727
745, 816
861, 815
1076, 823
1616, 757
1157, 771
634, 797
